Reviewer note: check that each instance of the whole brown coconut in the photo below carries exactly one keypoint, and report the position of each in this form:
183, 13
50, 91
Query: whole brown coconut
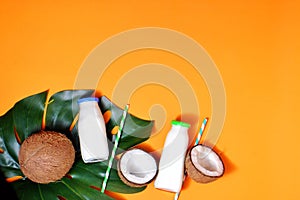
203, 164
46, 156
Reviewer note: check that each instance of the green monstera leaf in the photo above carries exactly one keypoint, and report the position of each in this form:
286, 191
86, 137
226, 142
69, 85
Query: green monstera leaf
59, 113
135, 131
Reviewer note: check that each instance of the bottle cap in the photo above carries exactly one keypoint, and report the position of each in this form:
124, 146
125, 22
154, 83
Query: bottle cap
179, 123
88, 99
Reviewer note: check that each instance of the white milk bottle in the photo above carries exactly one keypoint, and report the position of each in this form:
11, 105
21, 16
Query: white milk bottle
92, 131
171, 164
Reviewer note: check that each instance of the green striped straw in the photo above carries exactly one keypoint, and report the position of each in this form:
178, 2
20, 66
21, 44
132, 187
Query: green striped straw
113, 153
204, 122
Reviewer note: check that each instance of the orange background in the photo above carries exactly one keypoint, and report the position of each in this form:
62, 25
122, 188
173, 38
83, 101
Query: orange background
255, 46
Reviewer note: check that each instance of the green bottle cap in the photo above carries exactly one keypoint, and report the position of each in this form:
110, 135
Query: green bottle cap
179, 123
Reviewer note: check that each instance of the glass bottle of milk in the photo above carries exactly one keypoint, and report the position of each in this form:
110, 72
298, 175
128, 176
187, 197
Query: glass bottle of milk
171, 164
92, 131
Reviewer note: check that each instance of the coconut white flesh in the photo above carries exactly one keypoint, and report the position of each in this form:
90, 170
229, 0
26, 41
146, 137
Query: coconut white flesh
207, 161
138, 166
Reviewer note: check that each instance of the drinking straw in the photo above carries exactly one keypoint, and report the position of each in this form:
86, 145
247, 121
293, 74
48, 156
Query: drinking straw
201, 130
113, 153
203, 125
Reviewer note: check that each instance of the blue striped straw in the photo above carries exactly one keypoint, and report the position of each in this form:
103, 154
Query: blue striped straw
203, 125
113, 153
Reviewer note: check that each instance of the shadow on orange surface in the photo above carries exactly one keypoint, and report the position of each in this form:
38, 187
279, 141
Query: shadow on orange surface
229, 166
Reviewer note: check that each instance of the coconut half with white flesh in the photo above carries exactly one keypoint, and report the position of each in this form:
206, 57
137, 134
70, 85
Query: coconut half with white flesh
203, 164
137, 168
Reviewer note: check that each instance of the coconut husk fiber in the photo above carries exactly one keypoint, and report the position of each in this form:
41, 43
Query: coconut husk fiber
46, 156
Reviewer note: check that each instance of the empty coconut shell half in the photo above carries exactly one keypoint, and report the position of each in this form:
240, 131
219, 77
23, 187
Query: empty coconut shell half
137, 168
46, 156
203, 164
